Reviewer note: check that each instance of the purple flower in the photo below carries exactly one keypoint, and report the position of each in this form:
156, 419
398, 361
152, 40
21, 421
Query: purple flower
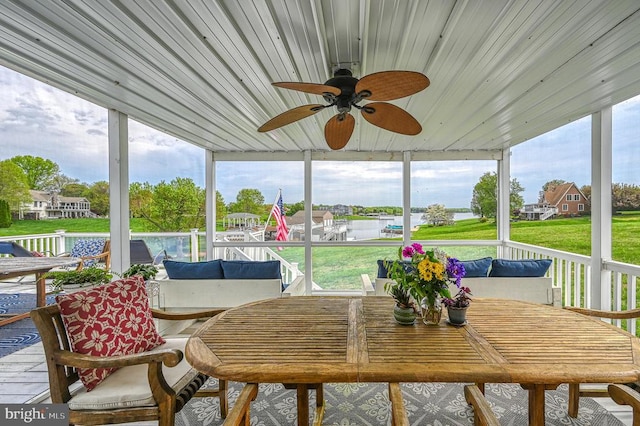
455, 270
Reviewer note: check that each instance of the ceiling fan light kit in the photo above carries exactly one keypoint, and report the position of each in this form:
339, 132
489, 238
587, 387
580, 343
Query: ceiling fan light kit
345, 91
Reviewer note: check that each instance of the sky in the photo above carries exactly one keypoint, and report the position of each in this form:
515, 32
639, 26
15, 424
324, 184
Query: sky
39, 120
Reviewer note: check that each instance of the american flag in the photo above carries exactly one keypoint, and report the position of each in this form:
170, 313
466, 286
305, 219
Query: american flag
281, 224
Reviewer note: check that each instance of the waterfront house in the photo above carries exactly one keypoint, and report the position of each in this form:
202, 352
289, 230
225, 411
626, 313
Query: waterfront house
51, 205
564, 200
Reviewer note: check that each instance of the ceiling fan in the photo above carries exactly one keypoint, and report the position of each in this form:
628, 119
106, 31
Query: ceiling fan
345, 91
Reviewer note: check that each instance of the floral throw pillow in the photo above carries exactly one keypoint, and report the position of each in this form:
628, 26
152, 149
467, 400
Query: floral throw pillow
111, 319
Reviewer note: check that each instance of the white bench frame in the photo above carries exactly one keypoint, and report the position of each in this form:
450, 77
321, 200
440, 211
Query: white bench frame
528, 289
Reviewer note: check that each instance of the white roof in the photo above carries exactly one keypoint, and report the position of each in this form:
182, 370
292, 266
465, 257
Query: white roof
501, 71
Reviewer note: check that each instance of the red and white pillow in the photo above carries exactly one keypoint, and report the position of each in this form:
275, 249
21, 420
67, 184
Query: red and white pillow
111, 319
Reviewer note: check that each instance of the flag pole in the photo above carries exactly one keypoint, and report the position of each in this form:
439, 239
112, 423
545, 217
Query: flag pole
271, 210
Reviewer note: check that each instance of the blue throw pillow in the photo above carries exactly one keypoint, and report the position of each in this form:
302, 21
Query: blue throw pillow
211, 269
383, 272
251, 270
477, 267
519, 268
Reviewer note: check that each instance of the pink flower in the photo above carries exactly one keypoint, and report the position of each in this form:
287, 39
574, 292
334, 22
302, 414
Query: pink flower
408, 251
418, 248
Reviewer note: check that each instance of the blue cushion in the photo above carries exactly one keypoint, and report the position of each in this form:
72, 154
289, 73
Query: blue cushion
251, 270
211, 269
383, 272
87, 248
519, 268
477, 267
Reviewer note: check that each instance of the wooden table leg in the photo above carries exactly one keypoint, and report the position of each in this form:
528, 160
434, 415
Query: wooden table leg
302, 393
41, 290
536, 402
303, 404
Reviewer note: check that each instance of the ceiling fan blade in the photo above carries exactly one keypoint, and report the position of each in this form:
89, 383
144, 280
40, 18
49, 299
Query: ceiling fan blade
391, 117
389, 85
338, 130
315, 88
291, 116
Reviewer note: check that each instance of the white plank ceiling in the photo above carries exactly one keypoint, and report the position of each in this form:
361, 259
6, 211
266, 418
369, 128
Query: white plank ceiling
501, 71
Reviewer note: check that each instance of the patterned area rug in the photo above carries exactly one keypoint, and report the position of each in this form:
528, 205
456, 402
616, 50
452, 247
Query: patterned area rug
19, 334
428, 404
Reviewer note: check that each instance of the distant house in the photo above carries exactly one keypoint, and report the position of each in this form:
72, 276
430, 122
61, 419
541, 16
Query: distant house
323, 227
50, 205
563, 200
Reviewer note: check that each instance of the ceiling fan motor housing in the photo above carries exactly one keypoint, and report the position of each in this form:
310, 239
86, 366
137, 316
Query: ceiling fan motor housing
343, 80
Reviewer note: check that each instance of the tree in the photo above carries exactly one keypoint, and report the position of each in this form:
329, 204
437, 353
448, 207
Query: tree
553, 184
248, 201
221, 208
177, 206
437, 214
98, 195
39, 171
74, 190
291, 209
5, 214
484, 201
140, 199
60, 181
14, 188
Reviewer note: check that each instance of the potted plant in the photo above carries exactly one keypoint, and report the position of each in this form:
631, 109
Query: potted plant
426, 275
457, 306
147, 271
404, 312
89, 276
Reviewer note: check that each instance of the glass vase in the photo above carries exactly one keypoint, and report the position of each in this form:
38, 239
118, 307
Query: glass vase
431, 313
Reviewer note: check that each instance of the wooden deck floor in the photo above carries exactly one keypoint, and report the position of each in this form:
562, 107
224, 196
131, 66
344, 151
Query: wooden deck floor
23, 374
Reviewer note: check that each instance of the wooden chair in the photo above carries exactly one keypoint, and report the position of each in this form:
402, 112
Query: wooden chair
575, 390
482, 413
168, 390
624, 395
87, 258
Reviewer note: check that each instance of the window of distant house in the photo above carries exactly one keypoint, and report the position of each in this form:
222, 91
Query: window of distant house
580, 207
576, 197
565, 207
569, 197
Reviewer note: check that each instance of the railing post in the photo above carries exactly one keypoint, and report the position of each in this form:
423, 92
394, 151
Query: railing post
60, 236
194, 245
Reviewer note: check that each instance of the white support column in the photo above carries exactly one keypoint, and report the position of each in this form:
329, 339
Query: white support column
599, 295
308, 215
406, 198
119, 190
503, 209
210, 202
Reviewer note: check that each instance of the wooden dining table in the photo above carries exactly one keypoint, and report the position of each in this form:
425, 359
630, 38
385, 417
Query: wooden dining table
307, 341
13, 267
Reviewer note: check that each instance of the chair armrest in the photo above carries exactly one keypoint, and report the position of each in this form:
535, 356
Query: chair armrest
482, 413
367, 286
630, 314
624, 395
180, 316
169, 357
296, 288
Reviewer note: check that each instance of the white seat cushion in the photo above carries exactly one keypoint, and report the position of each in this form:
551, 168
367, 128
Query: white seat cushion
129, 386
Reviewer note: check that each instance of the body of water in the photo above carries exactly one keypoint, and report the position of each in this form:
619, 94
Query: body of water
368, 229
